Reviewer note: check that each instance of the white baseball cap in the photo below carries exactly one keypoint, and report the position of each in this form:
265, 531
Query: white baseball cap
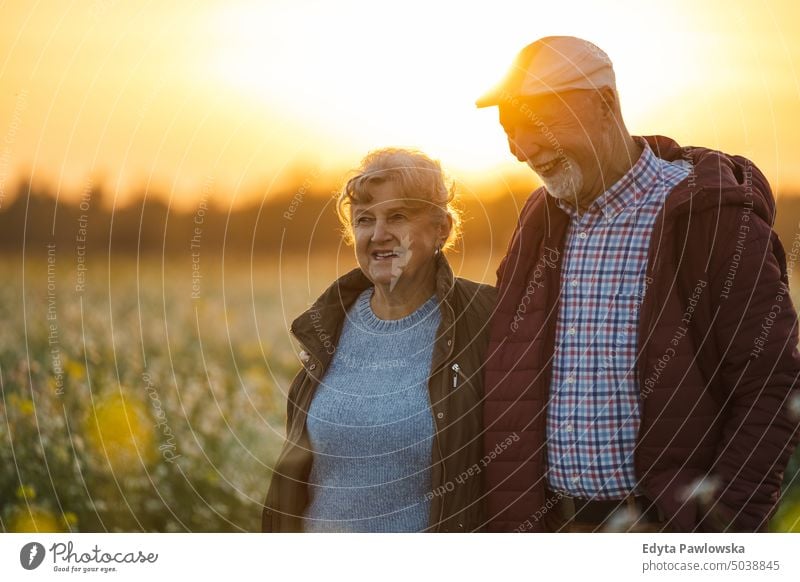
553, 64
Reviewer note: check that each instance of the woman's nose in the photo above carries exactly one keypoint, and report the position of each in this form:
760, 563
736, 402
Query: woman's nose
380, 232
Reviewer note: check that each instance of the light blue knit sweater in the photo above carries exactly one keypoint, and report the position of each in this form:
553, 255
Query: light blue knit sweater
370, 425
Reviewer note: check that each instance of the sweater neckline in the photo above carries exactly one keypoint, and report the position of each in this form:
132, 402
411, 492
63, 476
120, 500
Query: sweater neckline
374, 323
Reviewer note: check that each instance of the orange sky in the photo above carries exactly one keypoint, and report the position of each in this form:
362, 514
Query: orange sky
243, 95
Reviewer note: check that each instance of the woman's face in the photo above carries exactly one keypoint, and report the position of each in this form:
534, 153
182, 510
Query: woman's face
395, 238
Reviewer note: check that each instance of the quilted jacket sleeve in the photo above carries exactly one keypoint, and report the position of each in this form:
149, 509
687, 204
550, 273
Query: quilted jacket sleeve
756, 333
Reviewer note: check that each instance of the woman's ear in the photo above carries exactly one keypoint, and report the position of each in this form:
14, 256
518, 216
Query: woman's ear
445, 228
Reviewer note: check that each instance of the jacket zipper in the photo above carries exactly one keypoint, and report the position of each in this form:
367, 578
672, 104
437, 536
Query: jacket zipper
456, 373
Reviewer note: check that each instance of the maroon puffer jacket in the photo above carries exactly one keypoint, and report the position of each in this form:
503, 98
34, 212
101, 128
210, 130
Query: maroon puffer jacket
715, 404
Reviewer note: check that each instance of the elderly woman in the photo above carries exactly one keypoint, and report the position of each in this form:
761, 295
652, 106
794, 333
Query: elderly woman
384, 421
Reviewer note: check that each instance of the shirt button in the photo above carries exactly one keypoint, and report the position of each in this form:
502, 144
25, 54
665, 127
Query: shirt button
449, 342
574, 283
568, 428
570, 379
440, 415
571, 331
312, 366
583, 235
576, 478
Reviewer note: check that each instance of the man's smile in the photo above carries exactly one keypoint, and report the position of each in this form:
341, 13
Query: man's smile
546, 168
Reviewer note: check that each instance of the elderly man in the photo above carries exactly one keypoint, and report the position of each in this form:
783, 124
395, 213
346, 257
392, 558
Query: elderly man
643, 354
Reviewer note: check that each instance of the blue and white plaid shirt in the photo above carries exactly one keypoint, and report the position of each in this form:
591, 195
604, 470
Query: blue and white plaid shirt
593, 414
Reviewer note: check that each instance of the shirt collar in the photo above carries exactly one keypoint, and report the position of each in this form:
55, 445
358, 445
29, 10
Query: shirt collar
628, 190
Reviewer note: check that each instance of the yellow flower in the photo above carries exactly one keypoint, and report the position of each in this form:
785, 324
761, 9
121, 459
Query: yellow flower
120, 430
26, 407
23, 405
26, 492
34, 520
75, 369
70, 518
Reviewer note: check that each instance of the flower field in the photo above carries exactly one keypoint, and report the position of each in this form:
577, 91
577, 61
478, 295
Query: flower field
150, 396
135, 402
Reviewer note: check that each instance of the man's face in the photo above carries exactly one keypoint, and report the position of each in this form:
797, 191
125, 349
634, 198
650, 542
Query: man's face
563, 138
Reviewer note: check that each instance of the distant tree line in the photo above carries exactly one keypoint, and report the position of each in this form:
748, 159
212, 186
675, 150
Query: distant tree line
148, 226
279, 223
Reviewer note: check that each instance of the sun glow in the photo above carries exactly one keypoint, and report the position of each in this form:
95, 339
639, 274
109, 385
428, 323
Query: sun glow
409, 77
244, 89
402, 79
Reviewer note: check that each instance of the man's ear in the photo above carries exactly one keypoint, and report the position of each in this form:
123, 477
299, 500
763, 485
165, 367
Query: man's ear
608, 101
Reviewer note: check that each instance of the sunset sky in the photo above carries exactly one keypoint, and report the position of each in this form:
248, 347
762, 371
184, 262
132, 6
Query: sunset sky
252, 95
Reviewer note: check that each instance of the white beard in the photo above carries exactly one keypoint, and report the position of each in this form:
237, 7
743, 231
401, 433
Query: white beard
566, 183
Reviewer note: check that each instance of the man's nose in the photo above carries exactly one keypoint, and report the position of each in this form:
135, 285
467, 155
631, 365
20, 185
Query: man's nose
521, 145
